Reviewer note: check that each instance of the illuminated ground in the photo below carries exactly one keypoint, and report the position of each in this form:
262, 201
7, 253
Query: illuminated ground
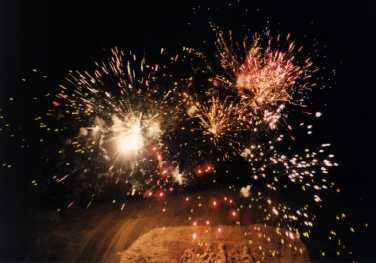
255, 243
144, 230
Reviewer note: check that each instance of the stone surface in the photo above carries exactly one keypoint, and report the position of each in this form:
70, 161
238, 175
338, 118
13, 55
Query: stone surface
220, 244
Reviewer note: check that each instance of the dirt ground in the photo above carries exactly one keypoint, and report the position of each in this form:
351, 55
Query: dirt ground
220, 244
164, 230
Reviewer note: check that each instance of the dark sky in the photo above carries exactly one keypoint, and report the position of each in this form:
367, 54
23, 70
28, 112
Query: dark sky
55, 37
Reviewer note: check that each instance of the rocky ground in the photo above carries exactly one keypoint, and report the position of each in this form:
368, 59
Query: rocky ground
221, 244
165, 230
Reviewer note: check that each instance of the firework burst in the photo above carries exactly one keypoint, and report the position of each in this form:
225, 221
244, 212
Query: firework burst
122, 109
150, 131
245, 106
263, 77
217, 118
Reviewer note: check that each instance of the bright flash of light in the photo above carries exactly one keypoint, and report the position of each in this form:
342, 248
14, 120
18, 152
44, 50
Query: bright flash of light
130, 142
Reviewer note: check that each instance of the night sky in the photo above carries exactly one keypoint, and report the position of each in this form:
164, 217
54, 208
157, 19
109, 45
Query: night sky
57, 37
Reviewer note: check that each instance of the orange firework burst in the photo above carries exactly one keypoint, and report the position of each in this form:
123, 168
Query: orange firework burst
217, 118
